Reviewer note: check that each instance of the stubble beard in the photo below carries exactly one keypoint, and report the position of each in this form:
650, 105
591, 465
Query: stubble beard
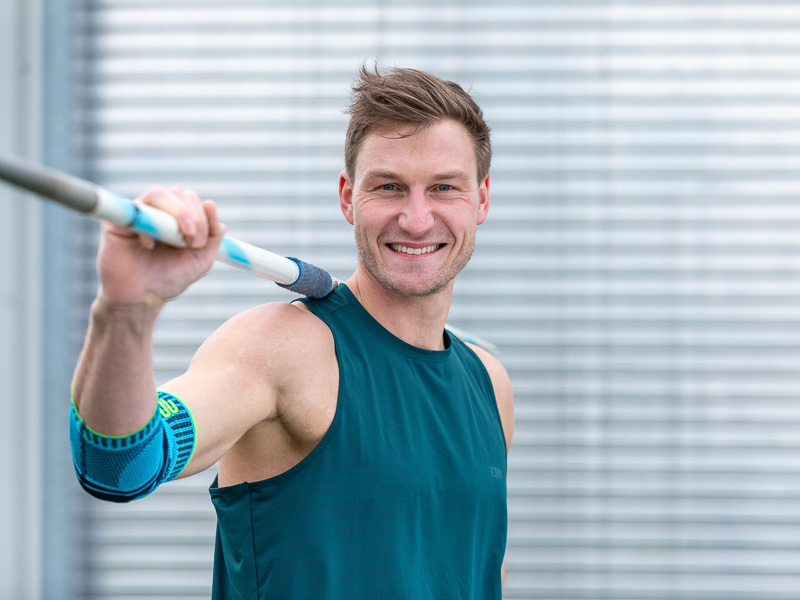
394, 282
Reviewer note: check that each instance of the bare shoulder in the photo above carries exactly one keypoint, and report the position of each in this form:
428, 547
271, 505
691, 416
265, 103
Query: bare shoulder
279, 316
277, 334
294, 350
262, 391
502, 389
274, 351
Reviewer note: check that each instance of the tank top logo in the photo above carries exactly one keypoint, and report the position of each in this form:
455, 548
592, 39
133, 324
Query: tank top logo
495, 473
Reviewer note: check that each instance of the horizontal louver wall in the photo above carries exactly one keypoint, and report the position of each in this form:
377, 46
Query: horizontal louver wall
638, 268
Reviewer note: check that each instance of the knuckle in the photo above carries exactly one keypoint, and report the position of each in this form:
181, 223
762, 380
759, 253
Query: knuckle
154, 195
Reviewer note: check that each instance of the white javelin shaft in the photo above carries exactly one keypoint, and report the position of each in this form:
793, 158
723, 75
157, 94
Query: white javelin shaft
99, 202
163, 227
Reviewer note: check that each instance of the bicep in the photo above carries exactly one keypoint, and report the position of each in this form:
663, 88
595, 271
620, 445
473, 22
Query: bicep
503, 392
505, 404
238, 376
504, 395
228, 390
218, 416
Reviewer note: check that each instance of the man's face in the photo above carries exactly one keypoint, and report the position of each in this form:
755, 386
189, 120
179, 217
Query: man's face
415, 204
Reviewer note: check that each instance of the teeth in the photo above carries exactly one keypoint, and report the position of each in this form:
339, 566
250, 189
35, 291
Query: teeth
407, 250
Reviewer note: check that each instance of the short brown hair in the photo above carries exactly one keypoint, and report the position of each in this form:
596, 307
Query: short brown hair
407, 97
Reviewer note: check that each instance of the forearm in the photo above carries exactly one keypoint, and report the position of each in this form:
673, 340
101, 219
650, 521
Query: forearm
113, 386
122, 448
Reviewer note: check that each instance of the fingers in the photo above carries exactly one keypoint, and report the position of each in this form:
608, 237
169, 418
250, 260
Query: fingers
187, 209
147, 242
216, 229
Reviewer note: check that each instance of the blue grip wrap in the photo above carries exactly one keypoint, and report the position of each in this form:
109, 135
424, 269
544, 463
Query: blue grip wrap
125, 468
312, 281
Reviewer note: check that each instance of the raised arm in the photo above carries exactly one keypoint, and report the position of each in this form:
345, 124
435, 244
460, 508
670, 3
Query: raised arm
114, 416
113, 387
255, 393
256, 389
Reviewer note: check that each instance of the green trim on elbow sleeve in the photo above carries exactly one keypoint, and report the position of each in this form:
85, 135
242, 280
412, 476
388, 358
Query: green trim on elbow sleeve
124, 468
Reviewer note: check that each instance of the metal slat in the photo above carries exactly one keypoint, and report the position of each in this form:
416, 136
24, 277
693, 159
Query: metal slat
636, 270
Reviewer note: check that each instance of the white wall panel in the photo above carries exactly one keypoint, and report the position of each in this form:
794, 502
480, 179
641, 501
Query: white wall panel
21, 326
638, 269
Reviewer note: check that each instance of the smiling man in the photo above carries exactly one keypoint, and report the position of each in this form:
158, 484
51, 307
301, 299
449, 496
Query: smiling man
421, 190
361, 448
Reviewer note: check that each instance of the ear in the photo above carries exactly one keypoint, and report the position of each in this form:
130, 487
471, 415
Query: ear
483, 200
346, 196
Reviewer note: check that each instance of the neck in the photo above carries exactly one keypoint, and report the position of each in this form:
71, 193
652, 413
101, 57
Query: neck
417, 320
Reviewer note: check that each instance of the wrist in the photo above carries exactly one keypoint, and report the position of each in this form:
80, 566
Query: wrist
107, 310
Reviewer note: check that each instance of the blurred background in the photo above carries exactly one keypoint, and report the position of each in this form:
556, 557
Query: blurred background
638, 269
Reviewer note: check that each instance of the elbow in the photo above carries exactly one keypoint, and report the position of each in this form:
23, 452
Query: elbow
113, 493
122, 469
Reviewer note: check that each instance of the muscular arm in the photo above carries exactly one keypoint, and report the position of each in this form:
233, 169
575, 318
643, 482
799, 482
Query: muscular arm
256, 389
502, 390
505, 403
113, 386
229, 387
122, 447
116, 362
261, 393
257, 384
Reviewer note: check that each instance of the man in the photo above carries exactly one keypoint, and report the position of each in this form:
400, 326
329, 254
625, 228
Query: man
361, 449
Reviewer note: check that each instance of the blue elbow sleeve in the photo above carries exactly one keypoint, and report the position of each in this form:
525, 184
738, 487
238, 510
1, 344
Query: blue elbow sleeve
125, 468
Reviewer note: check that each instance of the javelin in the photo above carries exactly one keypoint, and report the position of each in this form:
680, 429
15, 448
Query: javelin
96, 201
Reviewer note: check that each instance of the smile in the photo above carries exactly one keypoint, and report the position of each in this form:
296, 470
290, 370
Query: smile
407, 250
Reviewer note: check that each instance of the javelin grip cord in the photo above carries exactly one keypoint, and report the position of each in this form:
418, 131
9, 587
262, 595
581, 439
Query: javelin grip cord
88, 198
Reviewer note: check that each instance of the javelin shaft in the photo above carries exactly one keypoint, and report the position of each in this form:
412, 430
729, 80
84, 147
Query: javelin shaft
88, 198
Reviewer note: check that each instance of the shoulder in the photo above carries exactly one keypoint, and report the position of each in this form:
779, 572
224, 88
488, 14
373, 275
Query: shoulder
288, 317
265, 373
280, 352
501, 383
278, 338
282, 322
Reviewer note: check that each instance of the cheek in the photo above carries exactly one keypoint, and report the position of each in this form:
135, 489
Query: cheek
365, 229
370, 216
459, 219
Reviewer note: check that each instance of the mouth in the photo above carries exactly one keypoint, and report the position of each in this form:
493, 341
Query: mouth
422, 250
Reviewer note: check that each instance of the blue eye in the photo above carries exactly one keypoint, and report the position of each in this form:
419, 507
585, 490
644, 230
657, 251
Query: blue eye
388, 187
444, 187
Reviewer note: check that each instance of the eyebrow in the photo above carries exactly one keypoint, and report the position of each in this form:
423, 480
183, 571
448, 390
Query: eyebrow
448, 175
454, 175
380, 175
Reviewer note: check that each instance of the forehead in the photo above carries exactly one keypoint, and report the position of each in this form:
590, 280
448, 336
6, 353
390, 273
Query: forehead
445, 146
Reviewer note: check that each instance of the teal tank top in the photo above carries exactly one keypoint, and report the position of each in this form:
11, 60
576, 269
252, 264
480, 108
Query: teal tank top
404, 497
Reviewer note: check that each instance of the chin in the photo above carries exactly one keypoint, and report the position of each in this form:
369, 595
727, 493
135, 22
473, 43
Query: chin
408, 283
418, 289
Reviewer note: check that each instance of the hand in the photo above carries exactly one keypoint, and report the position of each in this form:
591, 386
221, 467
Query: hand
135, 269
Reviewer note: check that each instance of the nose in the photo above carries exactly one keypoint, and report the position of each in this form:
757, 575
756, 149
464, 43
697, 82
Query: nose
416, 217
